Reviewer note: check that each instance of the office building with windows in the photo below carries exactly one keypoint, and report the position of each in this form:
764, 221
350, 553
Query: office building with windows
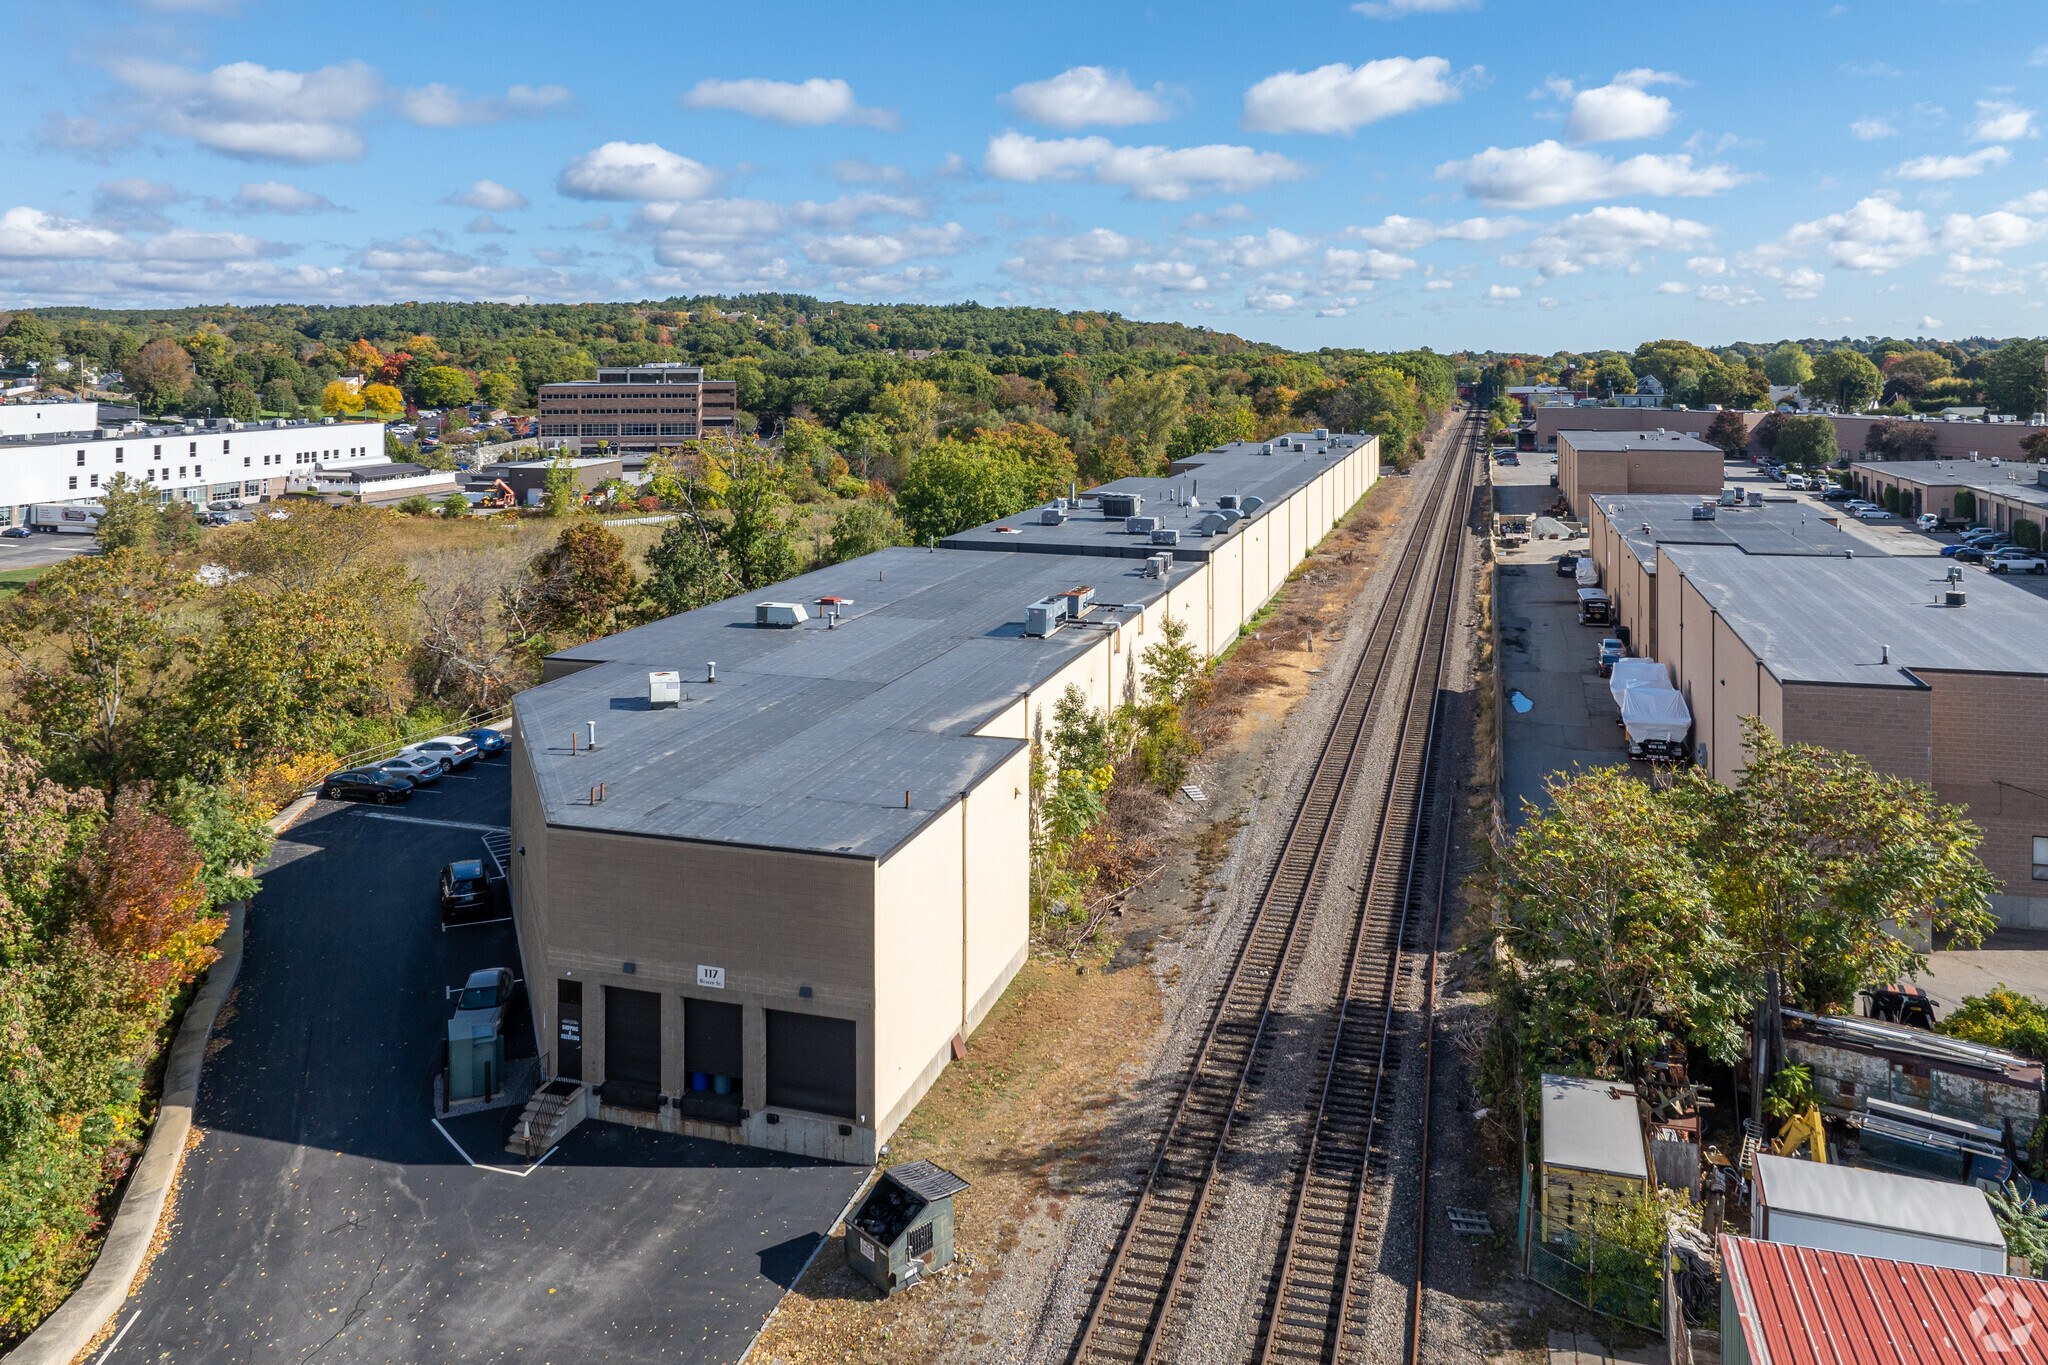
639, 407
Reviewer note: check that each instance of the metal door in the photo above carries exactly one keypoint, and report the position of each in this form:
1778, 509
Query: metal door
632, 1048
569, 1030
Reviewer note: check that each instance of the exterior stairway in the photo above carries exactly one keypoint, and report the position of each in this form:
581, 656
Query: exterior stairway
554, 1109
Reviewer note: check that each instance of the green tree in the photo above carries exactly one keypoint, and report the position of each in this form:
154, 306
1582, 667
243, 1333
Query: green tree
280, 397
498, 390
26, 340
1613, 376
861, 528
562, 491
955, 485
1144, 410
2014, 380
1845, 378
454, 507
578, 585
444, 386
418, 505
1964, 507
686, 568
159, 375
1612, 926
758, 538
92, 645
1207, 429
240, 401
128, 515
1788, 365
2001, 1018
1899, 441
910, 411
1808, 442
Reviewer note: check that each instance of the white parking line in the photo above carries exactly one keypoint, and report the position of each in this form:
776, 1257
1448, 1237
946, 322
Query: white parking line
499, 1170
116, 1341
445, 824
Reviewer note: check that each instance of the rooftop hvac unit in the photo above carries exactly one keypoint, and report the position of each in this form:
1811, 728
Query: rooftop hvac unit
1077, 601
1166, 536
1703, 512
1228, 502
1044, 617
1250, 505
1322, 433
1116, 505
1051, 516
664, 689
784, 614
1156, 566
1266, 448
1299, 446
1139, 526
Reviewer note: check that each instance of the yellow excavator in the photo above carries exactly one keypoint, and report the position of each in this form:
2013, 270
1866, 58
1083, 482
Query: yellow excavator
1802, 1129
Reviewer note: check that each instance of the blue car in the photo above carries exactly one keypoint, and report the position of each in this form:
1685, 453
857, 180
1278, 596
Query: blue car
488, 742
1969, 554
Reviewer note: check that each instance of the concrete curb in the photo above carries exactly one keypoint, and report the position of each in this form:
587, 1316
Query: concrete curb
69, 1330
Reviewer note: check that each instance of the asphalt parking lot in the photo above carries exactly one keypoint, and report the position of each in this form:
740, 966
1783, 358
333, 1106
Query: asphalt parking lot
33, 552
323, 1212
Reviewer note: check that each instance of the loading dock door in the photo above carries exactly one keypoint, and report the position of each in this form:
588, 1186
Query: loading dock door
632, 1048
714, 1059
569, 1030
810, 1063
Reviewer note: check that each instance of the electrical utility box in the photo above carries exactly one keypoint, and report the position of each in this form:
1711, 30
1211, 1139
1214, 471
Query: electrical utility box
904, 1229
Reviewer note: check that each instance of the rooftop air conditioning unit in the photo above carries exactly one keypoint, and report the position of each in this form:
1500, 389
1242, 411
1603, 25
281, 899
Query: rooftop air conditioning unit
1300, 446
1139, 526
664, 689
1228, 501
1704, 512
1077, 601
1266, 449
1156, 566
1043, 618
1322, 433
1116, 505
1165, 536
1051, 516
783, 614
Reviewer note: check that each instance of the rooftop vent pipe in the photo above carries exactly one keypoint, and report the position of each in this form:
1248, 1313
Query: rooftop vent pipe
1887, 653
712, 669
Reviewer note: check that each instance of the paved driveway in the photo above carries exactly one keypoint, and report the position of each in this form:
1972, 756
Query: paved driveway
324, 1215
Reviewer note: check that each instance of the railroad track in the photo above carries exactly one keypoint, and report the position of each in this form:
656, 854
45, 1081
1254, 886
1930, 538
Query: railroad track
1147, 1280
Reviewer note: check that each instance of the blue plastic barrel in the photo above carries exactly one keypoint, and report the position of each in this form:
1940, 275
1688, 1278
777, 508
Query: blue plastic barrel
721, 1085
699, 1080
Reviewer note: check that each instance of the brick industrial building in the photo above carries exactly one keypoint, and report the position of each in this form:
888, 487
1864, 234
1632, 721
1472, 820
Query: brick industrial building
2005, 493
806, 882
640, 407
1594, 462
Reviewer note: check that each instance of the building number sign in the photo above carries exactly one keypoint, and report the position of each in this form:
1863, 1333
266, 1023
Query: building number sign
713, 977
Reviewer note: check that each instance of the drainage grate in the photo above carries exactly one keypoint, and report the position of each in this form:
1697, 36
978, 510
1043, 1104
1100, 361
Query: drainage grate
1471, 1222
1194, 793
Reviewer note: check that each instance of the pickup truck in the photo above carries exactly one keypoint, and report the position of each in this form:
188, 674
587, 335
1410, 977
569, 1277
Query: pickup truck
2013, 560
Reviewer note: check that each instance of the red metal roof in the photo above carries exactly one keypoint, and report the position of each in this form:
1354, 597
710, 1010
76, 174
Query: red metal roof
1799, 1306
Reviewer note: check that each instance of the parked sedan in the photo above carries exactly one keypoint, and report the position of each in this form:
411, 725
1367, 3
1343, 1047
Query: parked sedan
17, 533
2016, 561
488, 742
420, 769
1872, 514
1611, 649
484, 997
365, 784
464, 892
1968, 554
457, 751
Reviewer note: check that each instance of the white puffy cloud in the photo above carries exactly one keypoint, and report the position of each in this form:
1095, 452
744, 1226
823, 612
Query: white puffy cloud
1874, 236
635, 170
31, 234
85, 136
1622, 110
1276, 247
2034, 202
484, 223
1270, 301
184, 245
1674, 287
137, 190
793, 104
1339, 98
1398, 9
1438, 286
1101, 259
1606, 238
1499, 292
2002, 121
757, 220
1706, 267
1344, 268
490, 196
1952, 167
1550, 173
879, 250
1082, 95
1733, 295
1999, 230
246, 110
1396, 233
441, 106
1161, 173
275, 196
1800, 282
1871, 129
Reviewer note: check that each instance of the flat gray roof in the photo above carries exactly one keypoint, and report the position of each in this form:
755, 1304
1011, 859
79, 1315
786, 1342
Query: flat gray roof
2006, 480
1779, 527
1591, 1125
1633, 440
1238, 468
1827, 620
811, 736
1877, 1199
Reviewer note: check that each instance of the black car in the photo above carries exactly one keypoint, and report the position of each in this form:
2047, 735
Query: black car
488, 741
1567, 566
365, 784
465, 894
1969, 554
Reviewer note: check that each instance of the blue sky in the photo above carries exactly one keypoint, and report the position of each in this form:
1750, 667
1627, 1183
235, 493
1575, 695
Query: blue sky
1386, 174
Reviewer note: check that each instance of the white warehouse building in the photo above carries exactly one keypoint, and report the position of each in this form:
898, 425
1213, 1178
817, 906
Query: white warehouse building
196, 462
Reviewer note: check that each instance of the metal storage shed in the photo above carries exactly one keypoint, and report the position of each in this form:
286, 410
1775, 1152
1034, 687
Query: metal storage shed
905, 1226
1871, 1213
1592, 1150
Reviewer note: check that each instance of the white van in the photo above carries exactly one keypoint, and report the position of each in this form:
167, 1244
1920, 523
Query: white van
1795, 481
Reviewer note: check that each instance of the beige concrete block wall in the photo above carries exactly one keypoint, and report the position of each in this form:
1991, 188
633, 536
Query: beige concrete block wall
1989, 731
921, 923
1892, 727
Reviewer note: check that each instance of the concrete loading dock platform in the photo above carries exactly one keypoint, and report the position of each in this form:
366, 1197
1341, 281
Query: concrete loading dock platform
810, 877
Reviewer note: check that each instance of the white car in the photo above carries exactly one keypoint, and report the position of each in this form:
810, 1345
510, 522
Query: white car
457, 751
1926, 521
2016, 561
1795, 481
1872, 514
418, 767
1857, 504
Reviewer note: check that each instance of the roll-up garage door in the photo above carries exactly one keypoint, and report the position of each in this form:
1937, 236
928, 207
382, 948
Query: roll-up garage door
632, 1048
810, 1063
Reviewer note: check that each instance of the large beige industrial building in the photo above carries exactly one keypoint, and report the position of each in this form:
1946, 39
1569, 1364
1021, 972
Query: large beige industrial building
1590, 463
772, 910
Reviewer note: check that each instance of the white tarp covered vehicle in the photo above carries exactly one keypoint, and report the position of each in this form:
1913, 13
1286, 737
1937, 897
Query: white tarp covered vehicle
1658, 721
1589, 572
1636, 673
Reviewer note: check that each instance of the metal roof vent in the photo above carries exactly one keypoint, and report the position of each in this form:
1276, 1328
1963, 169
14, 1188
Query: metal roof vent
664, 689
783, 614
1249, 505
1052, 516
1956, 597
1139, 526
